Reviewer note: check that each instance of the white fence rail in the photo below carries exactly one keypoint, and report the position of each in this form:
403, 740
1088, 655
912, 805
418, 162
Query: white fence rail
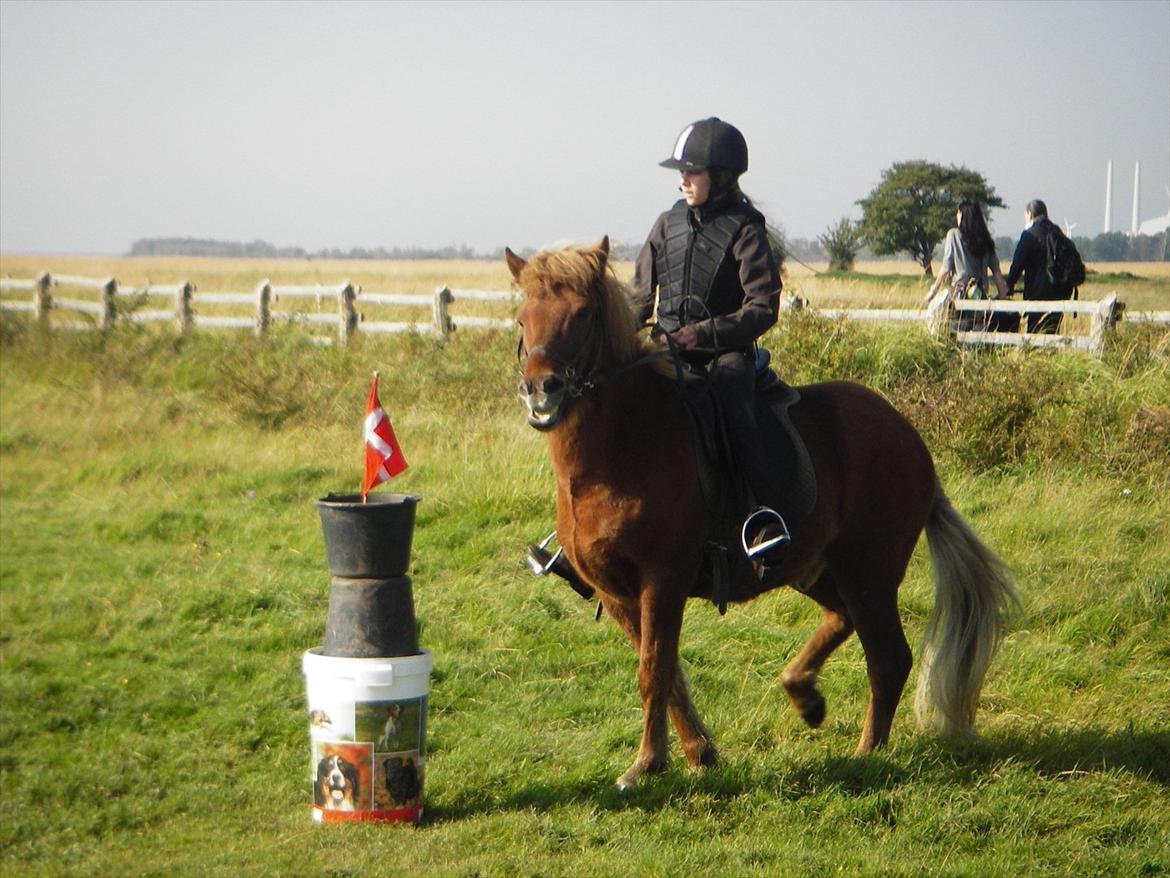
188, 310
189, 306
1104, 316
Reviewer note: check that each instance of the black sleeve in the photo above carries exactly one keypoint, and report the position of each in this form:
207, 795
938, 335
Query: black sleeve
760, 279
1019, 260
644, 289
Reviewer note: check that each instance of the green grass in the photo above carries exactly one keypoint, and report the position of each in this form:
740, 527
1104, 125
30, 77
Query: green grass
162, 570
901, 280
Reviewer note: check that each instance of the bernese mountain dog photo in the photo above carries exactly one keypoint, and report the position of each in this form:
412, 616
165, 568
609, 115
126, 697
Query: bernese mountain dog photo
336, 787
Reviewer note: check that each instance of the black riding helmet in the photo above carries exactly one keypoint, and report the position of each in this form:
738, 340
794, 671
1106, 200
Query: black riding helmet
709, 143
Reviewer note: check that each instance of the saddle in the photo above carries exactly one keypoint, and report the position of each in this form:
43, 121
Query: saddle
723, 486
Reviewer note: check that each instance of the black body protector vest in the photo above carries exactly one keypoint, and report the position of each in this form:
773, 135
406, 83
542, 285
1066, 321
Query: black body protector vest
689, 261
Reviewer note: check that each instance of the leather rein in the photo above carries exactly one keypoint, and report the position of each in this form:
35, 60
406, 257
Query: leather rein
577, 382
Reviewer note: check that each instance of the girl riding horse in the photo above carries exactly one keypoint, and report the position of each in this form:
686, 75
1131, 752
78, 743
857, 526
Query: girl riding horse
632, 521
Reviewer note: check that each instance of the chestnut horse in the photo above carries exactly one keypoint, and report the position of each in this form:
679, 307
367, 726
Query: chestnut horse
631, 517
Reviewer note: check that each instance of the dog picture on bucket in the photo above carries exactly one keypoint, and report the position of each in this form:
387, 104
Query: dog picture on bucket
398, 780
342, 780
393, 726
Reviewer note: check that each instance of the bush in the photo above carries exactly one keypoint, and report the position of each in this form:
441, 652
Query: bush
989, 409
842, 243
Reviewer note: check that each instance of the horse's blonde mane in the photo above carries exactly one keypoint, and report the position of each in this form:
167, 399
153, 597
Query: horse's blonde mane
576, 267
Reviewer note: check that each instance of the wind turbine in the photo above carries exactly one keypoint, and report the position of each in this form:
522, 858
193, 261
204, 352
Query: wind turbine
1068, 227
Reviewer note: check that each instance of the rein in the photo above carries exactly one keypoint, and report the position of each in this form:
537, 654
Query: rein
577, 384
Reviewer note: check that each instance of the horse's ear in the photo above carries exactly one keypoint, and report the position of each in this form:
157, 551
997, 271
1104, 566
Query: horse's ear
515, 263
602, 248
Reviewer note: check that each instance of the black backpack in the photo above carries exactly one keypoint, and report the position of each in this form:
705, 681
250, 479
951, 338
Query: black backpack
1063, 265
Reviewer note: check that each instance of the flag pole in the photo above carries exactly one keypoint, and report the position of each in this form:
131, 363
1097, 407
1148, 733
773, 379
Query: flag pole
365, 495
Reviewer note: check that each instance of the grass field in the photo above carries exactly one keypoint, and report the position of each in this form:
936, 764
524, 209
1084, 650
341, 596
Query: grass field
162, 571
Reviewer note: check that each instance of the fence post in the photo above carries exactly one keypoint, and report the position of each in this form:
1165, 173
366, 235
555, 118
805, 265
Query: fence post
44, 301
349, 316
183, 310
109, 309
1103, 320
442, 315
263, 307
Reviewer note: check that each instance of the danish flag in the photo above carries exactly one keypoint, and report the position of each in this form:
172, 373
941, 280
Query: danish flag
383, 456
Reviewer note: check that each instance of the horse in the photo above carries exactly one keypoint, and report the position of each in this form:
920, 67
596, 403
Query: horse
632, 520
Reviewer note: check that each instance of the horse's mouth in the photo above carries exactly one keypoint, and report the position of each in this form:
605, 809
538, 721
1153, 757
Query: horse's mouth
544, 409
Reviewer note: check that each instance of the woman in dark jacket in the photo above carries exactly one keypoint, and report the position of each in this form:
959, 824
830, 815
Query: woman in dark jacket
708, 266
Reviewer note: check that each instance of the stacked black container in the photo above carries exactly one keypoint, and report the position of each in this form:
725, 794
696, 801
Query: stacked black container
367, 547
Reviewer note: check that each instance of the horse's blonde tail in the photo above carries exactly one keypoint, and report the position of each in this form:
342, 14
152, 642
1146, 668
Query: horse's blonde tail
974, 598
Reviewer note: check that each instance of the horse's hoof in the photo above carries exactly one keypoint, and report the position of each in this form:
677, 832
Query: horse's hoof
703, 756
813, 711
636, 771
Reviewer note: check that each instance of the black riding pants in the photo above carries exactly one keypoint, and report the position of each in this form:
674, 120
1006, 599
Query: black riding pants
734, 377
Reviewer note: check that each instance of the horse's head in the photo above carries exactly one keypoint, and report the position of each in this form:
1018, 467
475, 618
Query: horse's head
572, 307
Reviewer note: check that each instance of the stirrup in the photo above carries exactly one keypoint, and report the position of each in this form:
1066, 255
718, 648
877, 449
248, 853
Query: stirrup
768, 532
539, 558
542, 563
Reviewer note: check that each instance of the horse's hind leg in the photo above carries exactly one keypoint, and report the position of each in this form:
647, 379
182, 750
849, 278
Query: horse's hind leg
697, 742
800, 677
872, 602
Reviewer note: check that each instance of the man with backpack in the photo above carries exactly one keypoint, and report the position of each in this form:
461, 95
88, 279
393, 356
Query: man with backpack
1049, 263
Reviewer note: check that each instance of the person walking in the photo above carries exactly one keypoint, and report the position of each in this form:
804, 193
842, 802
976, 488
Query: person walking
1031, 261
968, 257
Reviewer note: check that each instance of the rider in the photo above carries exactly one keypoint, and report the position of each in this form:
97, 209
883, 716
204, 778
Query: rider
708, 262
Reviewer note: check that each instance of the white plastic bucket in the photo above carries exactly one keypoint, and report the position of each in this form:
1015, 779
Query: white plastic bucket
367, 730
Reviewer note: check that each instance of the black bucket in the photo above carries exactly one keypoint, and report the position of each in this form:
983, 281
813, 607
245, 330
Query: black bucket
368, 540
370, 618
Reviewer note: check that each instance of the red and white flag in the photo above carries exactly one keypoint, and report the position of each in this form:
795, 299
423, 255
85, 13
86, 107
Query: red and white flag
383, 456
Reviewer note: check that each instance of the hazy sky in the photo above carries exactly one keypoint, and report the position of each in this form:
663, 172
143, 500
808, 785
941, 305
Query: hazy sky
398, 124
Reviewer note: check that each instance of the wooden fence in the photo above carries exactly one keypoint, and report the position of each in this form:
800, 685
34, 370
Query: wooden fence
189, 309
940, 318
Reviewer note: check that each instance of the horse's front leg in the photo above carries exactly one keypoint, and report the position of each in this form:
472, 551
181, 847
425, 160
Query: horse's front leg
697, 741
660, 621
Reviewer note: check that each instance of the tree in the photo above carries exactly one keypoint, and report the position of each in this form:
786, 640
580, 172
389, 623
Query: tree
914, 205
1111, 247
841, 243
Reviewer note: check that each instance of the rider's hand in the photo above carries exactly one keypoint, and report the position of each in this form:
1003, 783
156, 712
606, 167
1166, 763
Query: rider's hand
686, 338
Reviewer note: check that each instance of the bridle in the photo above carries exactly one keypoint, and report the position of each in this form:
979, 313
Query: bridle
578, 381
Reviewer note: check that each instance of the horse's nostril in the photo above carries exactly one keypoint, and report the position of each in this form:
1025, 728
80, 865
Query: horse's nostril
552, 384
525, 387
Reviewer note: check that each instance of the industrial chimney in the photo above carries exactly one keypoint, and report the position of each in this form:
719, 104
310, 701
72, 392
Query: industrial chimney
1109, 196
1137, 190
